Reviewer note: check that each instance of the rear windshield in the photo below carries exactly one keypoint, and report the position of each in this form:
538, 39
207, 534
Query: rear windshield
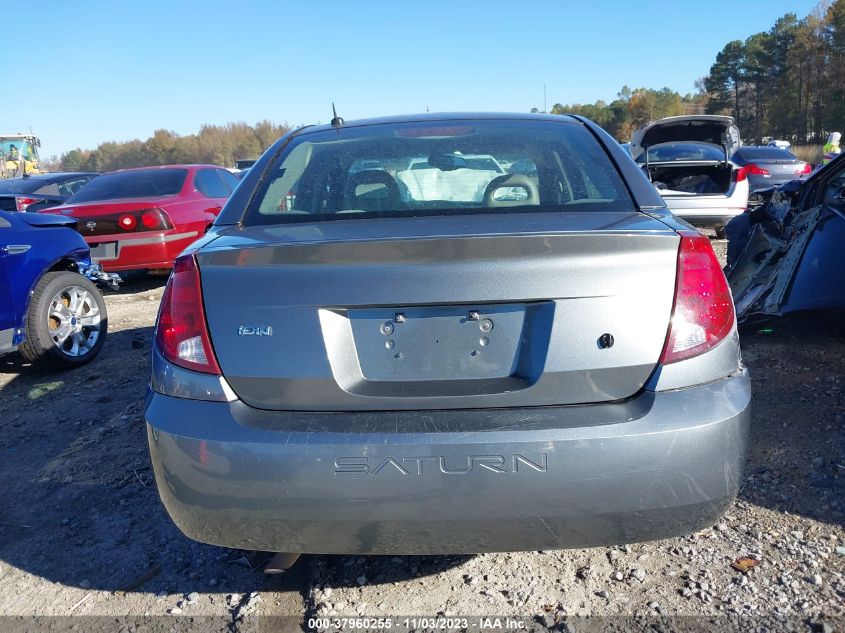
669, 152
143, 183
763, 153
439, 168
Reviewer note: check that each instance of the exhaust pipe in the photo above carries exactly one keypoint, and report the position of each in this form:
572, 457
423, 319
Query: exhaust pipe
280, 563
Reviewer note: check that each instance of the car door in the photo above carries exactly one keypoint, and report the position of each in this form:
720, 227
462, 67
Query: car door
8, 318
818, 281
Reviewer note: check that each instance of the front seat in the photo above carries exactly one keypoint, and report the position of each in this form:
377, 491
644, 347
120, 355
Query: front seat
371, 190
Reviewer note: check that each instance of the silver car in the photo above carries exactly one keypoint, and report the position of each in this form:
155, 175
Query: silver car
405, 361
688, 158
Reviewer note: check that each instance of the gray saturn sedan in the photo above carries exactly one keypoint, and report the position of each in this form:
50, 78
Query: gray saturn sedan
362, 357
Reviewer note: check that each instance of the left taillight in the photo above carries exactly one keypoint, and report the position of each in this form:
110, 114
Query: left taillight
182, 332
21, 202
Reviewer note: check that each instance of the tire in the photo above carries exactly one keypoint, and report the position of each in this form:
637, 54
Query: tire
66, 322
720, 232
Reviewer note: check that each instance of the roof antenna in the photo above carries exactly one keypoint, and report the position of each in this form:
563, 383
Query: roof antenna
337, 122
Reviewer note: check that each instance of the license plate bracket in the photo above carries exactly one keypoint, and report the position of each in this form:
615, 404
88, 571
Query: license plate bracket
105, 250
467, 342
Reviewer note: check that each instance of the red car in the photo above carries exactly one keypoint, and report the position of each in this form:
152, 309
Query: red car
143, 218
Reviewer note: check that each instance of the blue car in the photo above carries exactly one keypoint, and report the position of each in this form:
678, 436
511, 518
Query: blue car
50, 310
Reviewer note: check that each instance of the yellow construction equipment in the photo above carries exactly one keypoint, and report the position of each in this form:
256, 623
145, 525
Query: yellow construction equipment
19, 155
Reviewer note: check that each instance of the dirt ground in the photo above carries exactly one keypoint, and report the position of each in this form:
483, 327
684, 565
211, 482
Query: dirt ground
82, 531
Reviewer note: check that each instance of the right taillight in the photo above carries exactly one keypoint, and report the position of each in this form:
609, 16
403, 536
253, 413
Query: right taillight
181, 332
703, 314
741, 174
806, 169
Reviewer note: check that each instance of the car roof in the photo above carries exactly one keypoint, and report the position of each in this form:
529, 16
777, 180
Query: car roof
189, 166
766, 147
447, 116
59, 175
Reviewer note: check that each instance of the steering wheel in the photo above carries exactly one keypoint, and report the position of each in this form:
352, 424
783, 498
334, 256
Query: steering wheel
515, 181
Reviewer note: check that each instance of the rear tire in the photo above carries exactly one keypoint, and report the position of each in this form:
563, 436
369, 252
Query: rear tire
720, 232
66, 322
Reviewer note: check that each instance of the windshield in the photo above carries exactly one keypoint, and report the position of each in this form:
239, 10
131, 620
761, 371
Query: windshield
763, 153
669, 152
439, 168
141, 183
10, 147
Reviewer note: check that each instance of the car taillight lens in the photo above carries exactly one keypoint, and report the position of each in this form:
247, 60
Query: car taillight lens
703, 314
756, 170
155, 219
127, 222
21, 203
181, 333
806, 169
741, 174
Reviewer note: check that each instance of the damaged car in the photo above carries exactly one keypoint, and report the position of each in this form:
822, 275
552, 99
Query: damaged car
789, 253
688, 159
370, 368
51, 310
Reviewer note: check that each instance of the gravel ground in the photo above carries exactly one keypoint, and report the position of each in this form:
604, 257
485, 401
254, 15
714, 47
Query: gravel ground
82, 531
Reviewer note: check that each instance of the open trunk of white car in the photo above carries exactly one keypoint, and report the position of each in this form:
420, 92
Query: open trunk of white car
667, 149
692, 179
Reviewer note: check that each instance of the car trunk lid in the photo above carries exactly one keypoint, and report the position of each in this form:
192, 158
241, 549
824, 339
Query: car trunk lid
782, 169
441, 312
92, 209
713, 129
98, 219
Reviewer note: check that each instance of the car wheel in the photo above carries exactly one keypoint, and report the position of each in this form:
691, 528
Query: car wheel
66, 322
720, 232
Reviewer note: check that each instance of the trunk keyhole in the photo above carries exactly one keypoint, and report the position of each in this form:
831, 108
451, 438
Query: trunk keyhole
605, 340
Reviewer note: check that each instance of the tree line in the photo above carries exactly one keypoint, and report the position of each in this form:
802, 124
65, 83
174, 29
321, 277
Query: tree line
786, 83
214, 144
633, 108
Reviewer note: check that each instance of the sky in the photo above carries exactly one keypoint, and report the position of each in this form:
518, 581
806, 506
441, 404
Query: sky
93, 71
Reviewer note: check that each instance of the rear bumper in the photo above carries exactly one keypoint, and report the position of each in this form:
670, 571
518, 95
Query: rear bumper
140, 250
710, 210
457, 482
